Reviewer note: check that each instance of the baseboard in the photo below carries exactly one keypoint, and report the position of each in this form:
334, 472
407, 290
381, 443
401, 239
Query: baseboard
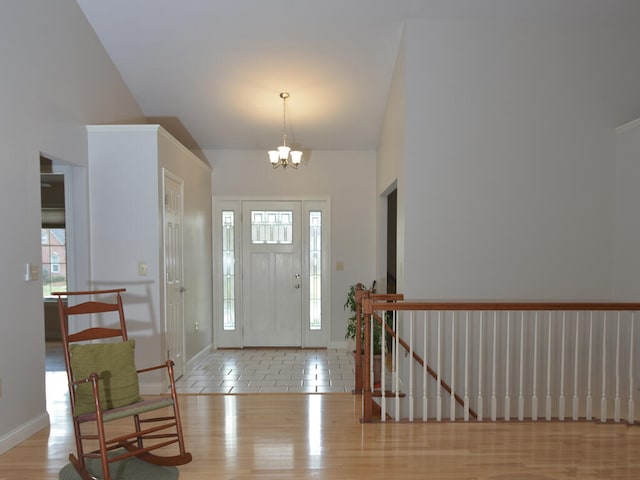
152, 388
158, 388
24, 431
340, 345
201, 354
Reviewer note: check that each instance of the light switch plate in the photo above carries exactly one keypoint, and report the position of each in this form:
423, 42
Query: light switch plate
31, 272
142, 269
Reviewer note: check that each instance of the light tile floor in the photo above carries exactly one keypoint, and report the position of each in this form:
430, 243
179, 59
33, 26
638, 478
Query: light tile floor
270, 371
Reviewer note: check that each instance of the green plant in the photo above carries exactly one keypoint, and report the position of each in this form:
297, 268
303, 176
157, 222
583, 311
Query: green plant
350, 305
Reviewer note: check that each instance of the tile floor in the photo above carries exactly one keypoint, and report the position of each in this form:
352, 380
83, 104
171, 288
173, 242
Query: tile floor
270, 371
256, 371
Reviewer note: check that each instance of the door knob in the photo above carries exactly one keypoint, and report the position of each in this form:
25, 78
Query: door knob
297, 275
297, 285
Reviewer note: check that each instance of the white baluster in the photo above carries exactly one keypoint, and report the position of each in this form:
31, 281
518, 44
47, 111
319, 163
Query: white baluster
494, 400
507, 398
394, 357
438, 394
603, 398
589, 363
466, 369
480, 342
383, 376
371, 354
616, 403
425, 411
452, 398
631, 413
548, 398
521, 392
410, 373
534, 397
562, 353
576, 347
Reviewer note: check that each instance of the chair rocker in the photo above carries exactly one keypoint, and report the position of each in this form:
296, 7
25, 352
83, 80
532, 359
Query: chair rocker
103, 387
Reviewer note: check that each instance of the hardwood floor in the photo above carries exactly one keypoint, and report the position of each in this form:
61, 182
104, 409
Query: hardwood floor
300, 436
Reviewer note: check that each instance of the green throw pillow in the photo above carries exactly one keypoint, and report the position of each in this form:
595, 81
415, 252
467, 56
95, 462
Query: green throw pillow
115, 363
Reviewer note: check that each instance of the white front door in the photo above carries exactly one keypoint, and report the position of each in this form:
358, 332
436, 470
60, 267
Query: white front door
272, 275
173, 287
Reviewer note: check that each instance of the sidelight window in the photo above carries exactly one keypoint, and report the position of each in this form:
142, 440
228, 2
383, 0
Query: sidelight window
228, 270
315, 270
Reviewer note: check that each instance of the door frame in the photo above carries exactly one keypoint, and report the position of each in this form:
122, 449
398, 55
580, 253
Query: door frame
180, 363
234, 338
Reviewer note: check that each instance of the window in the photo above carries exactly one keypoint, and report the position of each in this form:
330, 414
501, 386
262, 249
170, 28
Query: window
228, 270
54, 261
315, 270
275, 227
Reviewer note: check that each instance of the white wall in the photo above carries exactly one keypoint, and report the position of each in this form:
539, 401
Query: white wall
347, 177
510, 160
56, 77
390, 167
197, 242
126, 172
626, 273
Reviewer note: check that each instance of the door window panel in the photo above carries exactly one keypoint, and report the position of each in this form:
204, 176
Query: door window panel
272, 227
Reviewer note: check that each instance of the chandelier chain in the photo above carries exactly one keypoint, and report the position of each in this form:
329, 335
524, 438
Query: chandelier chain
284, 117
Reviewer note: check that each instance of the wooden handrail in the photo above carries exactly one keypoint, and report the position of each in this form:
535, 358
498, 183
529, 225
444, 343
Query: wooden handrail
436, 305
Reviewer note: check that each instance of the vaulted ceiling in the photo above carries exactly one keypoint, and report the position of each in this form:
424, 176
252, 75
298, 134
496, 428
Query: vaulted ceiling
211, 71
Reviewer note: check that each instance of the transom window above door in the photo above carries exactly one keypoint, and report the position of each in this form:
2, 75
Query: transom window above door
272, 227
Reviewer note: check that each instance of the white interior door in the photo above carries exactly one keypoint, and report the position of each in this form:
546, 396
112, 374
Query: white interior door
272, 276
173, 270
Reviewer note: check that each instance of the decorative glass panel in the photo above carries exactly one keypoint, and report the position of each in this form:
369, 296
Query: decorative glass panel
228, 270
315, 270
273, 227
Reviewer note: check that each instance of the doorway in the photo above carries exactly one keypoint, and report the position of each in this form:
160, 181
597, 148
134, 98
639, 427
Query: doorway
392, 241
53, 244
272, 273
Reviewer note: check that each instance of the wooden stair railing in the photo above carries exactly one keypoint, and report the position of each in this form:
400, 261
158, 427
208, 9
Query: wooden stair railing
370, 305
364, 297
421, 362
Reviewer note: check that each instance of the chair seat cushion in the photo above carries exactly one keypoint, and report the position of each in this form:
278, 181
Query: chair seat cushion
115, 363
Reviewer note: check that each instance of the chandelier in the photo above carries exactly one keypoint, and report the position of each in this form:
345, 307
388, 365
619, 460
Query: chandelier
284, 156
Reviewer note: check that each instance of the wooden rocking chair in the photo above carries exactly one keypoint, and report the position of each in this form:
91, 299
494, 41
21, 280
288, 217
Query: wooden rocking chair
103, 386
